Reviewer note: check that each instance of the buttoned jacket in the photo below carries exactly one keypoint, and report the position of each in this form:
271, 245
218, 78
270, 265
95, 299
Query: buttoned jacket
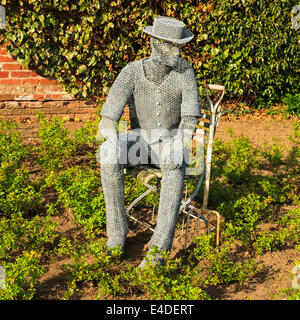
151, 106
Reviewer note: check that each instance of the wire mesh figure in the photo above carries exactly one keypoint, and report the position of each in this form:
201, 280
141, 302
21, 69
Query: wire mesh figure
163, 98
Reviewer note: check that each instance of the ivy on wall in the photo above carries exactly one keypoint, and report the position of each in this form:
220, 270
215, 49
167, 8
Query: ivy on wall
248, 46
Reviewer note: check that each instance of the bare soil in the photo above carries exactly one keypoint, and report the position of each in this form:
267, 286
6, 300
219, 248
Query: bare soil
276, 267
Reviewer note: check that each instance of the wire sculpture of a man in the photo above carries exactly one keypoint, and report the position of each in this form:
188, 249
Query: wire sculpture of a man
163, 98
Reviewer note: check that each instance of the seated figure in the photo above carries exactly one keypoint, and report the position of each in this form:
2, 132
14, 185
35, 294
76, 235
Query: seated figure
163, 98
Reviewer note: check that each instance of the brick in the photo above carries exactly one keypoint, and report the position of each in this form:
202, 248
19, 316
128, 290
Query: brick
81, 110
6, 112
67, 96
12, 105
57, 96
31, 104
3, 51
11, 81
125, 116
82, 116
34, 74
72, 104
31, 81
42, 109
64, 115
24, 97
6, 59
46, 88
20, 74
53, 104
7, 97
57, 88
61, 96
4, 74
47, 81
20, 118
21, 111
58, 110
11, 66
39, 89
39, 96
33, 118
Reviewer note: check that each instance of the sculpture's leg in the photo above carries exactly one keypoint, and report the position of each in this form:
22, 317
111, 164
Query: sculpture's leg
170, 199
112, 176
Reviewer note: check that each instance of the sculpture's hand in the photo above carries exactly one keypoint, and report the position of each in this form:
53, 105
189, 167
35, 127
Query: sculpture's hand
172, 153
108, 128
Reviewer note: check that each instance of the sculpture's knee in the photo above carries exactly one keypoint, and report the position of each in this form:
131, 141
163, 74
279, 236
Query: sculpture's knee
108, 153
172, 168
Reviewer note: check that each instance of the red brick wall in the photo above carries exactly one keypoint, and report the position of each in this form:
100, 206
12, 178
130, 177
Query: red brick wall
23, 91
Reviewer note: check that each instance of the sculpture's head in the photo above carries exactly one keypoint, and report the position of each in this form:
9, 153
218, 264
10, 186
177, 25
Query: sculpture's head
165, 52
167, 37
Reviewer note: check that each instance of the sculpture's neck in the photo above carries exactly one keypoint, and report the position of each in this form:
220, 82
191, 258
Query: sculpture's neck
155, 70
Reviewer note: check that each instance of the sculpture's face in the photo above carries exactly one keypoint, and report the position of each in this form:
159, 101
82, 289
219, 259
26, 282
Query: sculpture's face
166, 52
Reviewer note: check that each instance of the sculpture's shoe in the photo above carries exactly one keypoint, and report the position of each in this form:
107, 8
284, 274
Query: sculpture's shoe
115, 249
115, 246
152, 260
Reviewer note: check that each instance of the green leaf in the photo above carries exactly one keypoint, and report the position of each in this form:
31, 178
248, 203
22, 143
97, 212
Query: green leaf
81, 69
42, 19
236, 54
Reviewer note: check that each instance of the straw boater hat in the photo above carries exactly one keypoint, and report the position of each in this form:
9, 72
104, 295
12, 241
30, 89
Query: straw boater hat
169, 29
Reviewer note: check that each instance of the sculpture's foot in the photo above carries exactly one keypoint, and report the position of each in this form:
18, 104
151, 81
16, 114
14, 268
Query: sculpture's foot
116, 251
152, 260
115, 247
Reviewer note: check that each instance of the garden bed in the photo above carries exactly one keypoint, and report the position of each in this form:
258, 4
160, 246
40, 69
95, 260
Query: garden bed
53, 219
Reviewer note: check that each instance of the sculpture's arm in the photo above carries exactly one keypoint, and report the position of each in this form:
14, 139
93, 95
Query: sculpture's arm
118, 96
113, 108
188, 127
190, 107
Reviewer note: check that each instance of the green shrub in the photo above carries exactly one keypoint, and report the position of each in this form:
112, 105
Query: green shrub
273, 152
22, 276
250, 47
250, 188
18, 193
288, 232
79, 189
86, 135
98, 269
12, 150
173, 281
19, 234
222, 269
241, 162
56, 146
293, 103
243, 216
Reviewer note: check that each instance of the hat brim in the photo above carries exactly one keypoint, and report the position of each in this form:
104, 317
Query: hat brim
188, 35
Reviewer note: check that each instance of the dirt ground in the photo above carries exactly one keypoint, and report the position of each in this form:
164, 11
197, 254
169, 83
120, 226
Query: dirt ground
276, 267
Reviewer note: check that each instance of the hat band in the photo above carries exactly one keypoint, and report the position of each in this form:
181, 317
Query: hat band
167, 31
